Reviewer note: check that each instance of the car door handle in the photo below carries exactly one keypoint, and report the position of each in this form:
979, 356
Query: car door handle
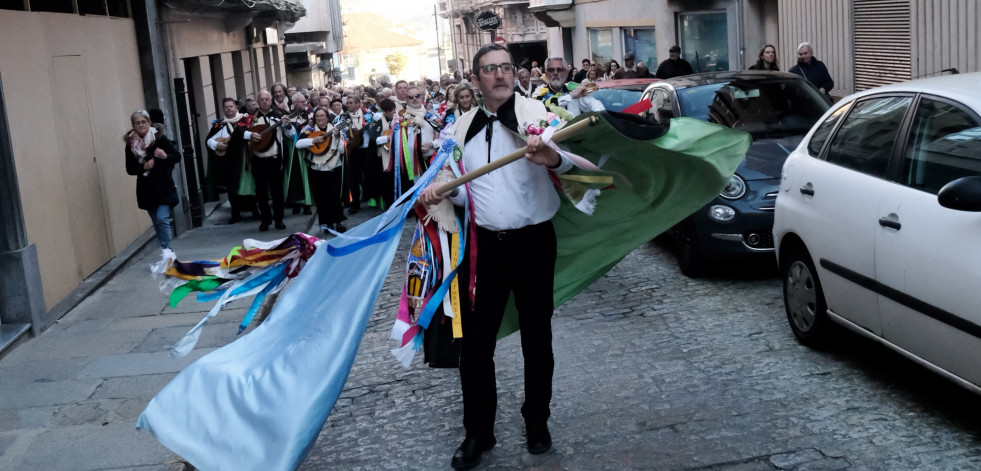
885, 222
807, 190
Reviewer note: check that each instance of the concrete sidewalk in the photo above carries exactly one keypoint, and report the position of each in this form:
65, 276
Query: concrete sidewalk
69, 399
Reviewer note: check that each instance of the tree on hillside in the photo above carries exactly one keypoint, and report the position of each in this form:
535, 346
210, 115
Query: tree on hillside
395, 63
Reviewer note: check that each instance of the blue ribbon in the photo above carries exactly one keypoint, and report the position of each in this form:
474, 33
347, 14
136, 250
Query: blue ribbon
275, 275
445, 151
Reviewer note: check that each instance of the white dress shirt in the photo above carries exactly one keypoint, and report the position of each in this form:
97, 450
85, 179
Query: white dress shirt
516, 195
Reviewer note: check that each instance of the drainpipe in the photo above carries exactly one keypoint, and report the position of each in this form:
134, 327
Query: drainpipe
21, 294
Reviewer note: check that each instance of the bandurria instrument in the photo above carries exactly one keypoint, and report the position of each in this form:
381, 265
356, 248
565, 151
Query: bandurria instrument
266, 134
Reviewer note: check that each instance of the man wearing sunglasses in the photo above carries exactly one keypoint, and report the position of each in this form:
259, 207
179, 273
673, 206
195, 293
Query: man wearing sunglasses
576, 101
515, 253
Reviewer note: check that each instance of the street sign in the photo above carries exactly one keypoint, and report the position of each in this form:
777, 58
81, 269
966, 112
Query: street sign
499, 40
488, 20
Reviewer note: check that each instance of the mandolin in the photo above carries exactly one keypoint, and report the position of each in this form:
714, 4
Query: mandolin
341, 128
266, 133
388, 145
220, 152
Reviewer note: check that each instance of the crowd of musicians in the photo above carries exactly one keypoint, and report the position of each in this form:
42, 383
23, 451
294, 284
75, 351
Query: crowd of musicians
332, 147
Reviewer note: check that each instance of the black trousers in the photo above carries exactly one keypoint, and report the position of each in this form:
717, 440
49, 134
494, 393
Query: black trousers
268, 174
326, 189
388, 187
353, 176
372, 171
521, 262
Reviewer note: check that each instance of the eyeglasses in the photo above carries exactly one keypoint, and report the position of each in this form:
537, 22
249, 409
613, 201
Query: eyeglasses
554, 69
506, 68
413, 97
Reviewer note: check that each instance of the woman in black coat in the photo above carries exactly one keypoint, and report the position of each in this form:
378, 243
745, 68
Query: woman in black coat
767, 59
151, 157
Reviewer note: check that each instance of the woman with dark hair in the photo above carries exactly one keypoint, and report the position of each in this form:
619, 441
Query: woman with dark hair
151, 157
767, 59
611, 69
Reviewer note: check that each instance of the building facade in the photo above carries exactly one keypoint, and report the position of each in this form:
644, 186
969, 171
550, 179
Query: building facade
74, 71
313, 43
521, 31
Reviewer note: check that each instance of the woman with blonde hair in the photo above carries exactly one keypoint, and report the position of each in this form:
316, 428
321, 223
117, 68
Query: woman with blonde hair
151, 156
464, 99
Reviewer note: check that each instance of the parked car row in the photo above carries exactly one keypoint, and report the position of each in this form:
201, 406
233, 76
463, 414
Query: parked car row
870, 205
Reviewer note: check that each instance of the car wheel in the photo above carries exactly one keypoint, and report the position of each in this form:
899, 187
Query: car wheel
689, 255
803, 298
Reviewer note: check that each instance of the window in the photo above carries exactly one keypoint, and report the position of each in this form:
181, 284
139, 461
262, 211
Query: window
56, 6
944, 145
820, 136
601, 46
866, 137
12, 5
640, 41
704, 41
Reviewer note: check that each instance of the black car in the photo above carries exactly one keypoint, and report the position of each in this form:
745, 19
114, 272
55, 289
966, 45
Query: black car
777, 109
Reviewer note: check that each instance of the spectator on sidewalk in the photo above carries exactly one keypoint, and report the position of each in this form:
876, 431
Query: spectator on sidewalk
812, 69
674, 66
582, 72
151, 156
767, 59
629, 69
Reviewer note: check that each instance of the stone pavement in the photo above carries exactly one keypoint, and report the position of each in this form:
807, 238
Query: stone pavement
654, 371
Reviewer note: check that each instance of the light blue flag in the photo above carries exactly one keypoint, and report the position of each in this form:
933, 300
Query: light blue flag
260, 402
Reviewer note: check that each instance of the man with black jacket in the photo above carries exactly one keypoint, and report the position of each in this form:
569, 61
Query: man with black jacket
812, 69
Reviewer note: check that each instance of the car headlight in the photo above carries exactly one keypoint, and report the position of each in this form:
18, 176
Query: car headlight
735, 189
722, 213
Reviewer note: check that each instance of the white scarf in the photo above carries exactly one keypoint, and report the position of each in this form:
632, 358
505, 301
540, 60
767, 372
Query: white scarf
233, 119
526, 91
418, 115
356, 121
139, 144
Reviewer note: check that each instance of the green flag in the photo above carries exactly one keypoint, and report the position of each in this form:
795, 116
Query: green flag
660, 176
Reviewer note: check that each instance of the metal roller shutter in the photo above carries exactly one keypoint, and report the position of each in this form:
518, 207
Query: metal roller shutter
882, 42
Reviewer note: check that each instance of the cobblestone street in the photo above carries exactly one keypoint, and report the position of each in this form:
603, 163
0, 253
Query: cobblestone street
658, 371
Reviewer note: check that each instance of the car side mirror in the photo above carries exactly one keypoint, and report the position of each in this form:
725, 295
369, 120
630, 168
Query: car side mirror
963, 194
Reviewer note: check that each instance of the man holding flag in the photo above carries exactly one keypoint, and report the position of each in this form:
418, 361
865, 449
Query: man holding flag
253, 403
512, 209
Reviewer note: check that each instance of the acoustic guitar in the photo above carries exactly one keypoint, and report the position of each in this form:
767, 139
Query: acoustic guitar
266, 134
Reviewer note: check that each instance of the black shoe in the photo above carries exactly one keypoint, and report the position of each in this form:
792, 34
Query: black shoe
340, 228
539, 440
235, 218
263, 227
307, 211
467, 456
280, 225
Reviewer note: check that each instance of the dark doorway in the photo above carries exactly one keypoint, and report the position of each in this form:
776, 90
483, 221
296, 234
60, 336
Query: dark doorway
524, 53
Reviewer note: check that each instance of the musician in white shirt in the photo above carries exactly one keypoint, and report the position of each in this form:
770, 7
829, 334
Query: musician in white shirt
516, 251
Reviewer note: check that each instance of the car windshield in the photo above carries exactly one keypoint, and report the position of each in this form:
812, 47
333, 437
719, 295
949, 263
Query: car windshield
616, 99
763, 108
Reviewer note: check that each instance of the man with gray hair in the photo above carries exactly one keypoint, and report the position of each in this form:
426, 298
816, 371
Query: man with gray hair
557, 93
812, 69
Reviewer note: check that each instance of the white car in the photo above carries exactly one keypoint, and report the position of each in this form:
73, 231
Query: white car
877, 221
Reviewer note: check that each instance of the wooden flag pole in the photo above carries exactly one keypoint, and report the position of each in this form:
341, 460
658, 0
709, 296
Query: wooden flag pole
559, 136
